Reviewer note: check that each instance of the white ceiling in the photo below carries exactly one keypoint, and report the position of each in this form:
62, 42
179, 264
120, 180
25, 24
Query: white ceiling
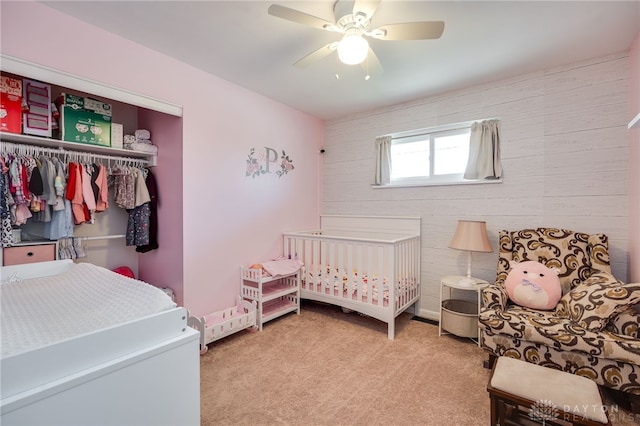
482, 41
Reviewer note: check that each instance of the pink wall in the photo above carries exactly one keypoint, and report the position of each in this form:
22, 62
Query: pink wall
164, 267
634, 158
226, 218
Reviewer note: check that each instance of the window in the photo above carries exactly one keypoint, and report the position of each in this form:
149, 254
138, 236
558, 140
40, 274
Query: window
430, 157
451, 154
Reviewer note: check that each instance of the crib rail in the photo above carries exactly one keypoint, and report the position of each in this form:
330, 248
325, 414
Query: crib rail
358, 272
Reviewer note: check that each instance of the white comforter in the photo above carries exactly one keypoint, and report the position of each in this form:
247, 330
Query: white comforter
40, 311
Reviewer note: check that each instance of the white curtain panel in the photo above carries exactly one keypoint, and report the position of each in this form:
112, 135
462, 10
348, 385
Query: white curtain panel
383, 160
484, 151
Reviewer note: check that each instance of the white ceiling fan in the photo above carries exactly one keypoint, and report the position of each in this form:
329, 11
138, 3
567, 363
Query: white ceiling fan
353, 21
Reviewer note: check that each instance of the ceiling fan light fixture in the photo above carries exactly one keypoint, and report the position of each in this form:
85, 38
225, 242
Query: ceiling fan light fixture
352, 49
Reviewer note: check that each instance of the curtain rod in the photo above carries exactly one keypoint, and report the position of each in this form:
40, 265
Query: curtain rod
21, 149
434, 129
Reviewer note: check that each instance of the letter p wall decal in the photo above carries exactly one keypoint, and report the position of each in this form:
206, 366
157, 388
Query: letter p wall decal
263, 162
271, 157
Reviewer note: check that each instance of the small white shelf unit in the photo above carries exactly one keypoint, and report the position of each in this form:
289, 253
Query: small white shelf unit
275, 296
460, 316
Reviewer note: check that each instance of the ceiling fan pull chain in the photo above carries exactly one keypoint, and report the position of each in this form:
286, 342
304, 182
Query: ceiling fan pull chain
367, 76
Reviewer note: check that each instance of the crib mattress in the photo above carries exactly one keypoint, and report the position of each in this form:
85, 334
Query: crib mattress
355, 285
40, 311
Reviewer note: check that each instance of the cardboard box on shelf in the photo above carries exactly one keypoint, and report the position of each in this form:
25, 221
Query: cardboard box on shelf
79, 102
117, 135
37, 120
98, 107
10, 104
79, 124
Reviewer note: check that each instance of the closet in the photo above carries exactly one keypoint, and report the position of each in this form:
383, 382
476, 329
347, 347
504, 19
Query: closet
134, 111
33, 237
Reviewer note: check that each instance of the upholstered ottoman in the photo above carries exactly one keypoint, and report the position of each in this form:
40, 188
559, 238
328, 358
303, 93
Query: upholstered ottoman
521, 392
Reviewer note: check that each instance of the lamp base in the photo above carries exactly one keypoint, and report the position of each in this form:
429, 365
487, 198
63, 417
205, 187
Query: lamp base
467, 282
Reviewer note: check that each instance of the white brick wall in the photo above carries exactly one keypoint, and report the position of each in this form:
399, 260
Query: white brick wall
564, 155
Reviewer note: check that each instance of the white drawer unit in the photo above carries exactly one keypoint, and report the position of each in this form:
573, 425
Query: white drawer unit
29, 252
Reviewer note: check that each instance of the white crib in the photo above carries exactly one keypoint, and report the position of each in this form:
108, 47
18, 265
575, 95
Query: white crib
368, 264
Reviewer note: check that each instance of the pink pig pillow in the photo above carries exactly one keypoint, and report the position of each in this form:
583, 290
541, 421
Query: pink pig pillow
533, 285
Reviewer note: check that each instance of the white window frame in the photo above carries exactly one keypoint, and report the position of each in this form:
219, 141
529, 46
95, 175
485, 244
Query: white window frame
433, 180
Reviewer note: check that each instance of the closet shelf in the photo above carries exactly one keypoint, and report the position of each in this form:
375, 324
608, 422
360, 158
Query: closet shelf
72, 146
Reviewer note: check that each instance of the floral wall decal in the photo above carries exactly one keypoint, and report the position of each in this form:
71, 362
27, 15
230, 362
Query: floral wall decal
262, 163
286, 165
253, 167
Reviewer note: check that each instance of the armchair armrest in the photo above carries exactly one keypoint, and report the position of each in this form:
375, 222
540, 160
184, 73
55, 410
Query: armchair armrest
494, 297
626, 323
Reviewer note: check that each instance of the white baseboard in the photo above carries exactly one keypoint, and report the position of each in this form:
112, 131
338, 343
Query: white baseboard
430, 315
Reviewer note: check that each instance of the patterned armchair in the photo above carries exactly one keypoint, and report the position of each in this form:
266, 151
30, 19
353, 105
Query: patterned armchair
594, 330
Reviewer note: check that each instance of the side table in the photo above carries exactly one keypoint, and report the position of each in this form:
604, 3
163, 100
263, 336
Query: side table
457, 316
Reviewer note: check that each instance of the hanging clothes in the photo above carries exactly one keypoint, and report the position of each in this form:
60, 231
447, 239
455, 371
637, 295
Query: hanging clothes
74, 193
87, 194
20, 192
138, 225
6, 234
102, 197
60, 185
153, 215
71, 248
61, 223
65, 194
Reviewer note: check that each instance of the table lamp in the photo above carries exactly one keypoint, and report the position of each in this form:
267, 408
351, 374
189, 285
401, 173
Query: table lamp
470, 236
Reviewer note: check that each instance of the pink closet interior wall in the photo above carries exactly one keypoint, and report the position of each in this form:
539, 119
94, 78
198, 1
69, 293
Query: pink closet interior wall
164, 267
634, 158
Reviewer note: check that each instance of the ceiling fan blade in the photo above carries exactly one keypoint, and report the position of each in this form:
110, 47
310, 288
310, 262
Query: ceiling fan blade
317, 55
299, 17
371, 65
367, 7
409, 31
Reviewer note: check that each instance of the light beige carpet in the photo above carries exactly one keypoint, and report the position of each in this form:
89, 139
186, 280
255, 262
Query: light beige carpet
325, 367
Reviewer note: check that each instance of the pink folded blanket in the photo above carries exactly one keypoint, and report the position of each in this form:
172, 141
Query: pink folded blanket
281, 267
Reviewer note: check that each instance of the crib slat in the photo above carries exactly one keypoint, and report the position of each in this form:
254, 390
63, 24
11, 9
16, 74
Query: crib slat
352, 274
360, 267
317, 264
386, 259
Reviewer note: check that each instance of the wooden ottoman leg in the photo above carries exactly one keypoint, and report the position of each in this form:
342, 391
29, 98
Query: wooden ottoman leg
490, 362
635, 403
494, 410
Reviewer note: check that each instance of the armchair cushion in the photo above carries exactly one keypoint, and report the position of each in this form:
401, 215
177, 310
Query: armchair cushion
547, 328
626, 323
595, 301
572, 253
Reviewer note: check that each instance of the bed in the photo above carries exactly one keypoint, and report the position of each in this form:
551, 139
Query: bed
367, 264
82, 345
